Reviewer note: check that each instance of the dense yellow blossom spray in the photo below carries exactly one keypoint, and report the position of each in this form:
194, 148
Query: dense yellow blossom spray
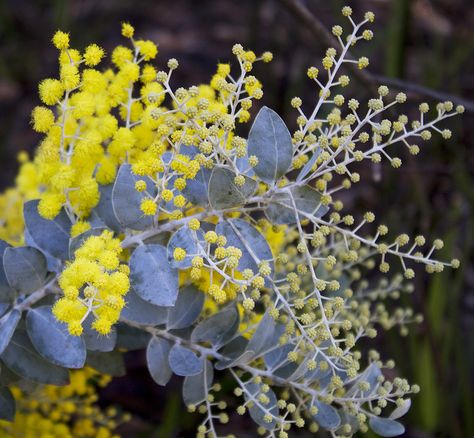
148, 222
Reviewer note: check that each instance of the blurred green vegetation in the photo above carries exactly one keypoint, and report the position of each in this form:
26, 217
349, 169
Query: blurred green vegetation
430, 43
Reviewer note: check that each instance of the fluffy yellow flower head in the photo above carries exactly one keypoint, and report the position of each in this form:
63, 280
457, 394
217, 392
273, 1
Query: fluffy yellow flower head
96, 273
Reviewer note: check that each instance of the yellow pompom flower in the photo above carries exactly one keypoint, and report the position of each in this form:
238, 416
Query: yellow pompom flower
69, 75
121, 55
43, 119
75, 328
167, 195
148, 207
140, 186
106, 171
194, 224
179, 254
50, 205
147, 48
50, 91
93, 54
93, 280
61, 40
127, 30
179, 201
79, 228
102, 326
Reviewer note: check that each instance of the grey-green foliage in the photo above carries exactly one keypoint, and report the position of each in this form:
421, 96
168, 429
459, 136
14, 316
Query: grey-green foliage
186, 239
157, 354
386, 426
51, 236
268, 353
196, 388
94, 341
249, 240
258, 409
326, 416
25, 268
306, 199
152, 276
184, 361
52, 340
23, 359
8, 324
225, 193
126, 200
270, 141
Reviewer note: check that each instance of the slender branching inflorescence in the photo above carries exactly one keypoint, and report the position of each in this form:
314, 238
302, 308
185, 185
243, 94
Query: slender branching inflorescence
148, 221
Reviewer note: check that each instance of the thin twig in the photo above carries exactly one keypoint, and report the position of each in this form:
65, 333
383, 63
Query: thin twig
319, 30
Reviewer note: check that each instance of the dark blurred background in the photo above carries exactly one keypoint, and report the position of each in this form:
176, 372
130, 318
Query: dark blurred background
427, 45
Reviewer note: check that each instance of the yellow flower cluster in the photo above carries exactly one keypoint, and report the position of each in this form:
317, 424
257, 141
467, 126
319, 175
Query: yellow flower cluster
95, 282
63, 412
94, 120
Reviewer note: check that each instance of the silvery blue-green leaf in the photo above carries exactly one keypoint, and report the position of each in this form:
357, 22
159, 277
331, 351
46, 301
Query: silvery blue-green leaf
400, 411
188, 240
21, 357
76, 242
307, 167
224, 193
52, 340
141, 312
234, 351
286, 370
323, 376
8, 324
263, 338
95, 341
131, 338
258, 410
324, 381
219, 328
244, 166
196, 388
386, 427
157, 354
327, 416
7, 405
110, 362
184, 362
302, 368
277, 356
126, 200
25, 268
249, 240
51, 236
187, 308
188, 150
370, 375
152, 277
307, 201
270, 141
7, 294
104, 209
52, 263
348, 419
196, 190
